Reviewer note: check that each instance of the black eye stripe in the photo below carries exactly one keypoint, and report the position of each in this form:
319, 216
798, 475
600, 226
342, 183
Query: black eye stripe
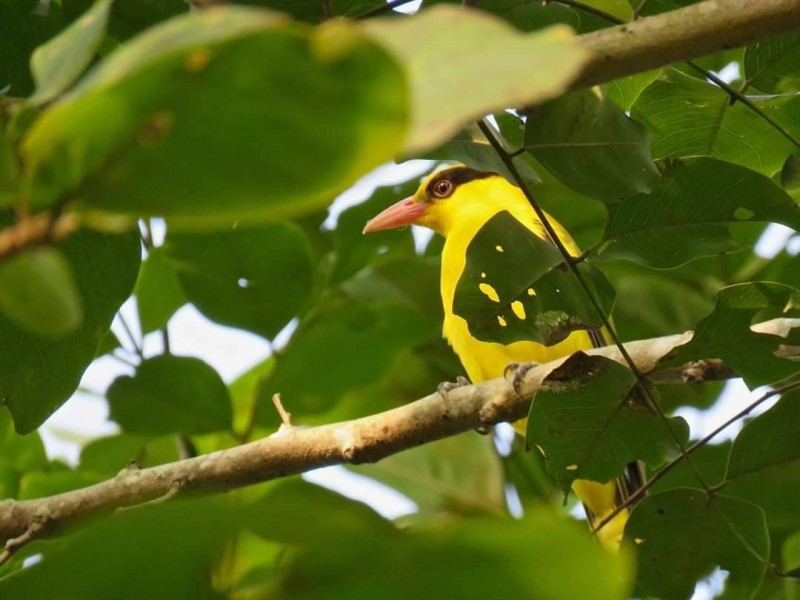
457, 176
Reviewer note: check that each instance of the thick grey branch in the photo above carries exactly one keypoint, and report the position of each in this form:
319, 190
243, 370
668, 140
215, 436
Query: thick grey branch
294, 450
682, 35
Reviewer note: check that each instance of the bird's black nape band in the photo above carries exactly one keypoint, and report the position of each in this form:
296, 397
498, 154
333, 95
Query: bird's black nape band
458, 176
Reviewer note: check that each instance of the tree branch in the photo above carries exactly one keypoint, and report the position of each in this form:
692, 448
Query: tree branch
683, 34
293, 450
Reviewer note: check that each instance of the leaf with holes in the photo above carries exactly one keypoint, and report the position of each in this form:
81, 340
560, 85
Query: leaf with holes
590, 420
255, 278
691, 117
515, 286
682, 534
688, 213
726, 334
769, 439
591, 146
170, 394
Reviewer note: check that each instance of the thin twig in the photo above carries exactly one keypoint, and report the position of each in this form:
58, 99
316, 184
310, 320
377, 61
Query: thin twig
630, 500
286, 417
644, 383
131, 337
13, 545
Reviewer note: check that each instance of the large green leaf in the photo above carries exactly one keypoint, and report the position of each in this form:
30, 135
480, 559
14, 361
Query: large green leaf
682, 534
158, 291
529, 16
460, 474
626, 90
38, 293
772, 65
190, 534
170, 394
590, 145
592, 420
687, 214
344, 346
525, 558
726, 334
37, 374
691, 117
445, 99
210, 116
515, 286
255, 278
59, 62
769, 439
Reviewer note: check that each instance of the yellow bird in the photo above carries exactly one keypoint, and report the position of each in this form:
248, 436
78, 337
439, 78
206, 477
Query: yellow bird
457, 202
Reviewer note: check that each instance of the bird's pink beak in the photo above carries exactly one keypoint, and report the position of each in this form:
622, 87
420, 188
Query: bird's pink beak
400, 214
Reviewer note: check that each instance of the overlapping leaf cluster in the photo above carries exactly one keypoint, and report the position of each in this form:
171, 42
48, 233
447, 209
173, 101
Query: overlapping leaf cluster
233, 130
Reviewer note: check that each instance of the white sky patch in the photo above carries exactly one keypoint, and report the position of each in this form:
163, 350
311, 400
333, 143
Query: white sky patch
386, 501
773, 240
513, 501
729, 73
712, 586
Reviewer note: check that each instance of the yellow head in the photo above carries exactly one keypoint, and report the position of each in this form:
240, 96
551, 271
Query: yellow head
449, 195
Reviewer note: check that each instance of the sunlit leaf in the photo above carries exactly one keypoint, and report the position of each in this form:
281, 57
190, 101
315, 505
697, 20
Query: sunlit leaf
591, 421
170, 394
726, 334
691, 117
771, 65
590, 145
515, 286
461, 474
38, 293
58, 63
682, 534
445, 99
37, 374
688, 213
626, 90
208, 92
256, 278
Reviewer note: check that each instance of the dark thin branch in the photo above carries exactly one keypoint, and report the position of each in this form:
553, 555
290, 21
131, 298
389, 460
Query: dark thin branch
660, 473
644, 383
131, 338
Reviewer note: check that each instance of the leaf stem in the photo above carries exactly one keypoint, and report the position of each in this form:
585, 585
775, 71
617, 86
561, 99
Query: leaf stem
644, 383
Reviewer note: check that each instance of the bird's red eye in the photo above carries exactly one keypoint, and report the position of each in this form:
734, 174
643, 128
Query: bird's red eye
443, 188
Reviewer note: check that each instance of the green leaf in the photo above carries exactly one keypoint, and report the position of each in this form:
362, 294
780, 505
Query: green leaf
9, 167
591, 146
590, 421
38, 293
37, 375
208, 92
59, 62
726, 334
191, 533
687, 214
429, 43
769, 439
20, 453
691, 117
682, 534
170, 394
256, 278
771, 65
22, 29
791, 553
342, 347
110, 455
470, 147
626, 90
313, 11
790, 173
158, 292
529, 16
130, 17
463, 560
461, 474
515, 286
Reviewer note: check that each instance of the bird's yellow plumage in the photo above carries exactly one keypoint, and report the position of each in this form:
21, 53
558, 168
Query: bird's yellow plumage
456, 202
